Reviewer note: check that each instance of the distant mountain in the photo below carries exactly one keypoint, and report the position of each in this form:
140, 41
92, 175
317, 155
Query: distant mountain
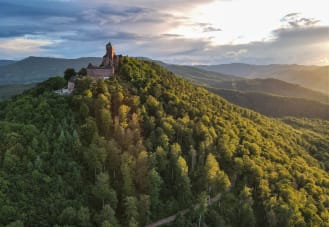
198, 75
274, 86
271, 97
6, 62
36, 69
276, 106
313, 77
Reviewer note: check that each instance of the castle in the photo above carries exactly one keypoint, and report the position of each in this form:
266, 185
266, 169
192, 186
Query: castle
109, 66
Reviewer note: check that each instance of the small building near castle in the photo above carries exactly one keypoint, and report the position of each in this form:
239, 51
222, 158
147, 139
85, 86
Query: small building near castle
70, 84
109, 66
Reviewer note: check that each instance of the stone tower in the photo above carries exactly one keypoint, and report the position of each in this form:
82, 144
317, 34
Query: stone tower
109, 66
110, 51
108, 58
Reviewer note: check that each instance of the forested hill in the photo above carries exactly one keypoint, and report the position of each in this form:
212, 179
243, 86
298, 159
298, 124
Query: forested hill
132, 150
274, 105
274, 87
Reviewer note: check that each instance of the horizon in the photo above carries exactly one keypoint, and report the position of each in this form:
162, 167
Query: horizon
184, 32
231, 63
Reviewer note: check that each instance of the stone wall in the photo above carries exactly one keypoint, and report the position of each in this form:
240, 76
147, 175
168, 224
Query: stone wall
70, 86
100, 73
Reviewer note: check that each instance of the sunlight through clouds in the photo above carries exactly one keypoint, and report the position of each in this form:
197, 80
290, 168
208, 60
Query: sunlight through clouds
23, 45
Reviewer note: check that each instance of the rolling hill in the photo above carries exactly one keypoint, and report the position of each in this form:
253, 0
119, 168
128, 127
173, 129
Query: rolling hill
275, 87
271, 97
6, 62
276, 106
312, 77
202, 77
9, 90
37, 69
136, 149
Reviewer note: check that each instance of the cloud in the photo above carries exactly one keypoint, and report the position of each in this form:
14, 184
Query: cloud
289, 46
26, 46
171, 35
211, 29
289, 15
74, 28
294, 20
168, 5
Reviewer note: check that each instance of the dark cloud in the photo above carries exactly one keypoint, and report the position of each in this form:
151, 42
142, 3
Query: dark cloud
36, 8
294, 20
290, 15
309, 21
171, 35
211, 29
302, 35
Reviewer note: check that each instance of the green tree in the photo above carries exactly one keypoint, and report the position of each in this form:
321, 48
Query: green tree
82, 72
131, 211
102, 190
68, 73
107, 217
216, 178
155, 184
83, 217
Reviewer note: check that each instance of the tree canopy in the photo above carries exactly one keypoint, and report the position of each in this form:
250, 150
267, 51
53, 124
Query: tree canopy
134, 149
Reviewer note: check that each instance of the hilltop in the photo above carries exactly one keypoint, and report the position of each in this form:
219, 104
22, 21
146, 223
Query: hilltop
139, 147
26, 72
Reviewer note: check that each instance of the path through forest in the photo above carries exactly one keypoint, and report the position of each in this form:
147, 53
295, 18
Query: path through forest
172, 218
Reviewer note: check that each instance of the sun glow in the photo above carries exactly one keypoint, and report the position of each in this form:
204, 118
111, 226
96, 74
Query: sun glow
240, 22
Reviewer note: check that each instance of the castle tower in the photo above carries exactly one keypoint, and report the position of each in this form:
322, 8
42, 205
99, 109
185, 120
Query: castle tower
108, 67
110, 51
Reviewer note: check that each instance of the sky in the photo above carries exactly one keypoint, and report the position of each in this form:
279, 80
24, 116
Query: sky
175, 31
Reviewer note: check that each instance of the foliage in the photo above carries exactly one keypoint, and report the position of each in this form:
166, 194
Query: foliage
277, 106
131, 150
68, 73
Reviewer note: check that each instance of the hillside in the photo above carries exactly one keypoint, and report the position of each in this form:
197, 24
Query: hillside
202, 77
315, 130
132, 150
274, 105
312, 77
6, 62
275, 87
36, 69
7, 91
271, 97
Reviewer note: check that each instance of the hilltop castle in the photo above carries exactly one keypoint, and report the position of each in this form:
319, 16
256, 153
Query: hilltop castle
109, 66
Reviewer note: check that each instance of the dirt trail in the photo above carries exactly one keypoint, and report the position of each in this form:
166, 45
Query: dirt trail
172, 218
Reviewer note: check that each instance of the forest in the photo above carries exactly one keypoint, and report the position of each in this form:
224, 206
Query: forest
147, 144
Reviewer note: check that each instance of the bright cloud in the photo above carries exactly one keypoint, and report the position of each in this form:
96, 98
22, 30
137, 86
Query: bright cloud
23, 46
